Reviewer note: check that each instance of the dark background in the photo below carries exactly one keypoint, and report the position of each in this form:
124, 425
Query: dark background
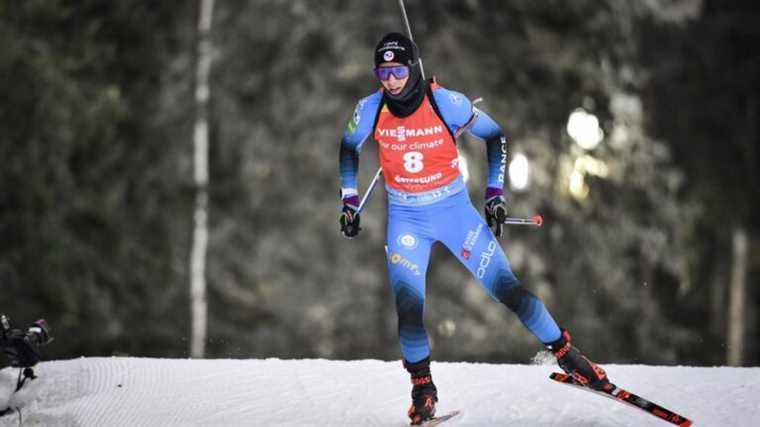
97, 190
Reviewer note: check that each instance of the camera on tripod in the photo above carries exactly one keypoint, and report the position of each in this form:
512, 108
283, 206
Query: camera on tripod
22, 347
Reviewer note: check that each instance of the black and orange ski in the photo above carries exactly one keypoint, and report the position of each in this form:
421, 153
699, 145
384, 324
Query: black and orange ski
440, 419
624, 396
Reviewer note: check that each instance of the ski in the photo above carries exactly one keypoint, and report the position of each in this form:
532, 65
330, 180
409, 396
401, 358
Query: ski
440, 419
624, 396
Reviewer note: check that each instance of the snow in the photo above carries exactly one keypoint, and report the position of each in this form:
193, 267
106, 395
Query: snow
274, 392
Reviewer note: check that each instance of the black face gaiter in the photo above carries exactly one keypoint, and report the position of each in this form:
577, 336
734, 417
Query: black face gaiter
407, 102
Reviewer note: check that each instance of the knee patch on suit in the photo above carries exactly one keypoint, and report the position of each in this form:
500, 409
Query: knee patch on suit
505, 287
520, 300
411, 328
510, 293
409, 306
526, 306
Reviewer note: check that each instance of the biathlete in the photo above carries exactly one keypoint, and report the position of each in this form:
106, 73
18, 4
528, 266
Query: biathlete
415, 123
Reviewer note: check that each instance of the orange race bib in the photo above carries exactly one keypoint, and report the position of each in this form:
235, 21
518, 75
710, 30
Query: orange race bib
417, 153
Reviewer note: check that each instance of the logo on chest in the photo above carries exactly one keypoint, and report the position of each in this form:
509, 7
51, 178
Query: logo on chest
401, 133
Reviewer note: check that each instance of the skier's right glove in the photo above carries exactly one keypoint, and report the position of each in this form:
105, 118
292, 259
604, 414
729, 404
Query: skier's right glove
349, 217
496, 213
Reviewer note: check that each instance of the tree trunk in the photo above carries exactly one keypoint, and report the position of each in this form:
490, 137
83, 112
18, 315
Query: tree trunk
718, 297
737, 298
648, 341
199, 307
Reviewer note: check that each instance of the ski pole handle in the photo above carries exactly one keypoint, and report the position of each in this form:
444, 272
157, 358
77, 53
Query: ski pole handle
536, 220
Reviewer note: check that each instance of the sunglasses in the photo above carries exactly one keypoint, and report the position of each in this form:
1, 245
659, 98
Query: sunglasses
398, 71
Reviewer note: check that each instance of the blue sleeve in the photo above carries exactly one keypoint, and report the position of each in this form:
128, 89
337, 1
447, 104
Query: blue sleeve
488, 130
455, 108
357, 131
459, 114
485, 127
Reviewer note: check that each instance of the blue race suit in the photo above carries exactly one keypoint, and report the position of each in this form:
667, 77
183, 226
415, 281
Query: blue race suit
444, 214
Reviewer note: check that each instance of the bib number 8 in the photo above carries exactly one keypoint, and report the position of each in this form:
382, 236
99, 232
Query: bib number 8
413, 162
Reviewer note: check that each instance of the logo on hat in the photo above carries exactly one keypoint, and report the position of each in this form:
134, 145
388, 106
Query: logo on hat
388, 55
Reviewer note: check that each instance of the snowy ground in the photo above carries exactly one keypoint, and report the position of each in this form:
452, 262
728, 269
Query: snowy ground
163, 392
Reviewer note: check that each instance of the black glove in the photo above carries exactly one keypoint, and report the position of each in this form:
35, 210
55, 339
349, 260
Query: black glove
349, 221
496, 214
22, 347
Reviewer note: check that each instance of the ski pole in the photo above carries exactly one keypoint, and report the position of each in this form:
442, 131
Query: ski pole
536, 220
369, 190
422, 72
409, 31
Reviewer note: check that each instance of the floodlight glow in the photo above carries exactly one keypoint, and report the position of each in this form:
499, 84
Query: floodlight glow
463, 169
584, 128
519, 170
577, 186
447, 328
592, 166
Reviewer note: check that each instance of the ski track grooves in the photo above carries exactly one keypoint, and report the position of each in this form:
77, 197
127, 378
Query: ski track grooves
180, 392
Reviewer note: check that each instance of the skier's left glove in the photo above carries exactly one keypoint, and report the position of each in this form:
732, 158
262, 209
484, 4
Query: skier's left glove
349, 217
496, 210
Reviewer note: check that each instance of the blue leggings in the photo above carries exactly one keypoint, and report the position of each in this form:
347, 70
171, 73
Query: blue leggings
453, 221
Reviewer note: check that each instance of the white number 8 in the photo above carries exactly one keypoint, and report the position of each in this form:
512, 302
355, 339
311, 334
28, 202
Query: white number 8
413, 161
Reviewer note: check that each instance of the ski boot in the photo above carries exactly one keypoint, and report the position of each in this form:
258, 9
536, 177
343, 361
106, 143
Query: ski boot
424, 393
576, 364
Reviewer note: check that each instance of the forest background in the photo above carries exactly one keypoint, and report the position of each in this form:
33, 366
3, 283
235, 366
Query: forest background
649, 248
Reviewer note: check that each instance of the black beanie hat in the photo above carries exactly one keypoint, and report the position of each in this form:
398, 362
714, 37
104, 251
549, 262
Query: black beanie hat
395, 47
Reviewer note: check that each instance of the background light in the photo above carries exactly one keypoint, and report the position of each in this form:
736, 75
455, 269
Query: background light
519, 171
463, 169
589, 165
584, 128
577, 185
